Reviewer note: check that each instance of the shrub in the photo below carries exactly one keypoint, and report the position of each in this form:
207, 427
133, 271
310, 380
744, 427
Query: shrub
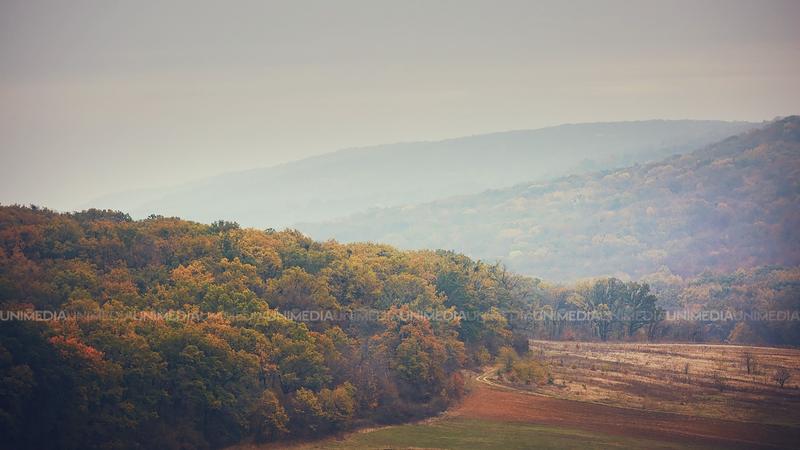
531, 372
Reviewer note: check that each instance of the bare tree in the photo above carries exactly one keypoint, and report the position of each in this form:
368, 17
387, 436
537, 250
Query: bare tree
781, 376
749, 362
718, 380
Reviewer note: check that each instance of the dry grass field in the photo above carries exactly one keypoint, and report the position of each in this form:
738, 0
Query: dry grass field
692, 379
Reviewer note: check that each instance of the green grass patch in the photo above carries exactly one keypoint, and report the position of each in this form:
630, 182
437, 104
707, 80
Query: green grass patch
457, 434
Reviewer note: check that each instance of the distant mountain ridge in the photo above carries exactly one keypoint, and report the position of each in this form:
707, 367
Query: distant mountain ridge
731, 205
348, 181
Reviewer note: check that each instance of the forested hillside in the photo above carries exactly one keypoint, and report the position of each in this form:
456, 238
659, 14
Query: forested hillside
349, 181
734, 204
171, 335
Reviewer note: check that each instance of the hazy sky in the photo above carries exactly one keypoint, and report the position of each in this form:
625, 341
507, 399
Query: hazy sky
105, 96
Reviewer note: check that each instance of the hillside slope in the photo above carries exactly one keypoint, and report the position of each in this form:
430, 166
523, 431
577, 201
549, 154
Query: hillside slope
733, 204
349, 181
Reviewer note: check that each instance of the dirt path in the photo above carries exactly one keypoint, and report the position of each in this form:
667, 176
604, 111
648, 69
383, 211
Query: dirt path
489, 400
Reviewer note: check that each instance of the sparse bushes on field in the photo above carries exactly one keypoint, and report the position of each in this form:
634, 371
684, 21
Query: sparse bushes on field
750, 362
522, 370
718, 380
530, 372
781, 376
507, 357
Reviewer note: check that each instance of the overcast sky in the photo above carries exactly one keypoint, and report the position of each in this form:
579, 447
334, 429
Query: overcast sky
106, 96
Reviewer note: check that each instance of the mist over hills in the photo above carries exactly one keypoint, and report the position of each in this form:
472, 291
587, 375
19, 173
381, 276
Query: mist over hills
348, 181
733, 204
